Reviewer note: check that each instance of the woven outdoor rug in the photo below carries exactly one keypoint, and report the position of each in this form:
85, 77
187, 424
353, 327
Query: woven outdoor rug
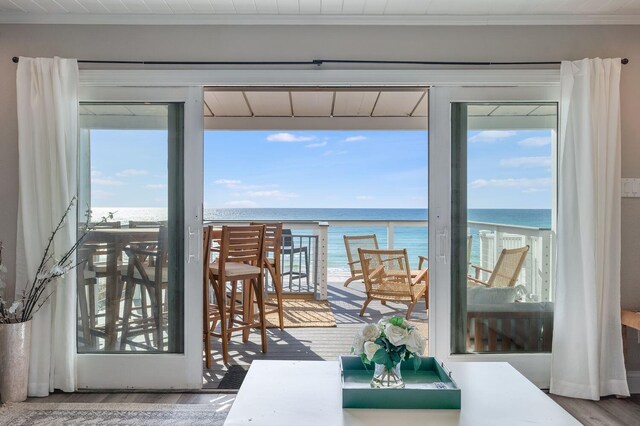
131, 414
303, 311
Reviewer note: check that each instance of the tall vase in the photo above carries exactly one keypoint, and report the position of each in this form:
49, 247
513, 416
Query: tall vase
15, 343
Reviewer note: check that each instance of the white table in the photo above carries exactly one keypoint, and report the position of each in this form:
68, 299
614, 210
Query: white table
309, 393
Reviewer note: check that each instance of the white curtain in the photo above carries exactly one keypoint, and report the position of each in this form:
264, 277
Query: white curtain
47, 91
587, 360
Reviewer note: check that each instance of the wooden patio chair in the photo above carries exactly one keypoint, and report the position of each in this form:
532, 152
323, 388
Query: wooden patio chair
388, 277
506, 271
352, 244
240, 258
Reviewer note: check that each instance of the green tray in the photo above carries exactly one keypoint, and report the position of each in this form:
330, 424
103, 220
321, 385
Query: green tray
431, 387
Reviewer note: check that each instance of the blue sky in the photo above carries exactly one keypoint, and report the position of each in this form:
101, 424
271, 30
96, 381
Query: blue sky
340, 169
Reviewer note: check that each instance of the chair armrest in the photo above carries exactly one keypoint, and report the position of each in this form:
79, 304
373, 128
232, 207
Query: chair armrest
422, 260
421, 276
476, 281
353, 263
478, 269
376, 271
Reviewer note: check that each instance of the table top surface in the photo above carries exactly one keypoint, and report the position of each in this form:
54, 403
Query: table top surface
309, 392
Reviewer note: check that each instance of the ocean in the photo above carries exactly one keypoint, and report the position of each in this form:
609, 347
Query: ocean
414, 239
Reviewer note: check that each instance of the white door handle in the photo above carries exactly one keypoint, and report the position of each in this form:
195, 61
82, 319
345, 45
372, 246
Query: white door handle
442, 245
193, 255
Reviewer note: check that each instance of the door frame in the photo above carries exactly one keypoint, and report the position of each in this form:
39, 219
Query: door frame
188, 85
157, 370
535, 366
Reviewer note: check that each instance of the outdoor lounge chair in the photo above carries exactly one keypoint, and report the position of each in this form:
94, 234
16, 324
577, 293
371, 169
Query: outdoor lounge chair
366, 242
506, 271
388, 277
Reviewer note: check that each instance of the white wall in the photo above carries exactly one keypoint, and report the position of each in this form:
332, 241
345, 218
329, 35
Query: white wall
257, 43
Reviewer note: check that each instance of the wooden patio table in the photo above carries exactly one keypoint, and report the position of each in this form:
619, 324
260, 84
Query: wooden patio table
309, 393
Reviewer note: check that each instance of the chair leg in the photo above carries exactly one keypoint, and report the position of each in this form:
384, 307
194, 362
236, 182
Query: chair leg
232, 306
426, 298
258, 283
144, 313
277, 284
364, 306
126, 316
410, 309
84, 315
222, 308
247, 308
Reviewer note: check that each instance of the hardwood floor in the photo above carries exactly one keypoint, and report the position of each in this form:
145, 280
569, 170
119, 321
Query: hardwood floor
609, 411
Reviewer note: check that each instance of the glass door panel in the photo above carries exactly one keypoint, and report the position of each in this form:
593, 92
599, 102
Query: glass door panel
492, 203
501, 226
130, 292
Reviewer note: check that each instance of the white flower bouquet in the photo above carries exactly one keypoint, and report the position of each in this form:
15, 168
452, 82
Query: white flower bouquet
387, 344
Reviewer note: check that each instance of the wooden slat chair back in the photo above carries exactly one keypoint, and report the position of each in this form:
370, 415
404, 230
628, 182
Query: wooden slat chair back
273, 264
148, 266
240, 259
388, 277
352, 244
506, 271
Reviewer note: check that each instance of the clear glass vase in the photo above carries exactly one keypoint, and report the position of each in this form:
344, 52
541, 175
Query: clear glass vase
385, 378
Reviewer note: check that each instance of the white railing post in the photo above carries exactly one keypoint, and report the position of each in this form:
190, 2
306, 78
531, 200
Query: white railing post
323, 260
546, 260
389, 235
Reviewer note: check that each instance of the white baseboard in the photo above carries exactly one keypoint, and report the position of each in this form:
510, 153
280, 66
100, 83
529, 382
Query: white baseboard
633, 379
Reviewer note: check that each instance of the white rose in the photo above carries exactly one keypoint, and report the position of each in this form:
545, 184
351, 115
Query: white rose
415, 342
370, 332
370, 349
395, 334
358, 344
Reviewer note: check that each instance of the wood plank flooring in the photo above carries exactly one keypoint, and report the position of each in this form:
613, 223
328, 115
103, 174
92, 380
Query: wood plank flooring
317, 343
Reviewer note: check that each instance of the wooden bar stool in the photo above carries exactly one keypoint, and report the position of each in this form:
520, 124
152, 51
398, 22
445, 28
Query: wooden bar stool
240, 258
272, 263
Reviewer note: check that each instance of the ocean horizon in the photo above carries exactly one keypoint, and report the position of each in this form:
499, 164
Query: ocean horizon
413, 238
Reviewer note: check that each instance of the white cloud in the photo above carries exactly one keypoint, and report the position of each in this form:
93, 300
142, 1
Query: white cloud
512, 183
275, 194
316, 145
531, 190
364, 197
132, 172
229, 183
491, 135
535, 141
526, 162
106, 181
96, 173
355, 138
331, 152
241, 203
289, 137
156, 186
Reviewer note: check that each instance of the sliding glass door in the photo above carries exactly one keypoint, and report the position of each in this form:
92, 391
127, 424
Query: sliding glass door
495, 193
138, 293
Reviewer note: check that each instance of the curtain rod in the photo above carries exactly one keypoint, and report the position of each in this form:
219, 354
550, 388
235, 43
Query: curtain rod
319, 62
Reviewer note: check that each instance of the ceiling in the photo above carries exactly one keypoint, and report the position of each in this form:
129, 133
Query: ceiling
322, 11
316, 103
320, 109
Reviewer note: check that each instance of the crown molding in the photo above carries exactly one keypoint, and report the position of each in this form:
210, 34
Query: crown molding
271, 19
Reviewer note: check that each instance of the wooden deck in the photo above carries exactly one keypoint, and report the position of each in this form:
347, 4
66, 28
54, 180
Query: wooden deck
313, 343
